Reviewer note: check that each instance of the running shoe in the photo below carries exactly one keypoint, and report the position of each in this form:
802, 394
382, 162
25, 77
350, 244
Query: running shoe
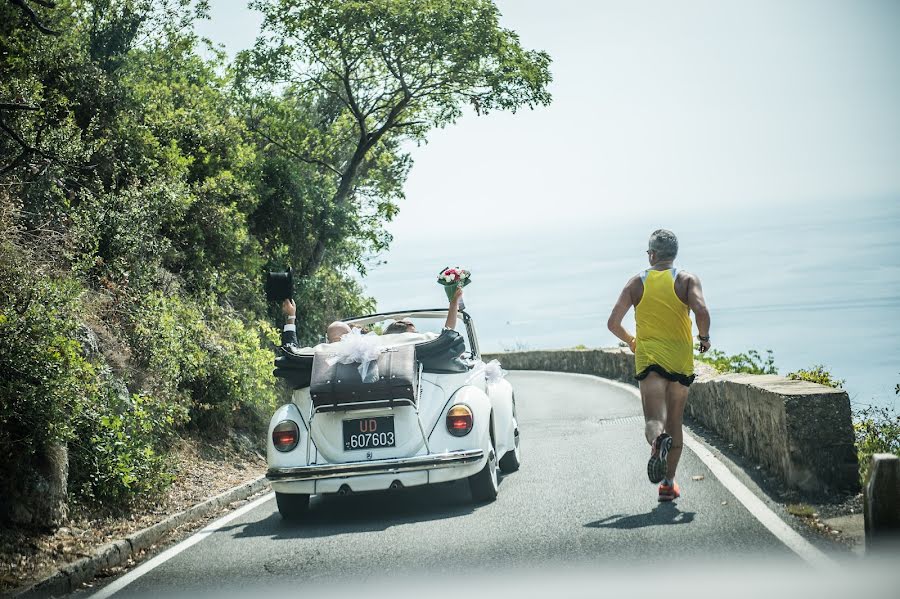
659, 451
669, 492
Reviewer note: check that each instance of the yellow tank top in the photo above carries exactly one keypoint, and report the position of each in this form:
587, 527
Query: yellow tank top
664, 326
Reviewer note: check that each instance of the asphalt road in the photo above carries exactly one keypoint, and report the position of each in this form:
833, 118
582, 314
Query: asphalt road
581, 498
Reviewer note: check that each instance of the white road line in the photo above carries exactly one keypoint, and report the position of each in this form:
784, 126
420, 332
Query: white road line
758, 508
171, 552
745, 496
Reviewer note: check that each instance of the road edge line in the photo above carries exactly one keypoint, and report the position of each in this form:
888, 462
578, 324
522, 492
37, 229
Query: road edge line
69, 576
756, 506
125, 580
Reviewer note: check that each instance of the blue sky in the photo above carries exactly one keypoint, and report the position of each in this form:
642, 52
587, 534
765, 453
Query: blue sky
666, 107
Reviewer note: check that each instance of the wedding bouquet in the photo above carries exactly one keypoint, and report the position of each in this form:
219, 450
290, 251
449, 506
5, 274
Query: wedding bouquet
452, 278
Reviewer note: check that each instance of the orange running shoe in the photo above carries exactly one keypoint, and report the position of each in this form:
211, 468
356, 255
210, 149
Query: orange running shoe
669, 493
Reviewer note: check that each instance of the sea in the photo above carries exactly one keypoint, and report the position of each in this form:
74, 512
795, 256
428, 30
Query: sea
816, 282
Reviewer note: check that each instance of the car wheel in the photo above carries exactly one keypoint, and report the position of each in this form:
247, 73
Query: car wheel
512, 459
484, 485
292, 506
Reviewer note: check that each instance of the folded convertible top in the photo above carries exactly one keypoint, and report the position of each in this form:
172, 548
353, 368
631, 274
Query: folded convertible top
440, 355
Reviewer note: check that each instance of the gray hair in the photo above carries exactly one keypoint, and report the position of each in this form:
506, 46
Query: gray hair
664, 243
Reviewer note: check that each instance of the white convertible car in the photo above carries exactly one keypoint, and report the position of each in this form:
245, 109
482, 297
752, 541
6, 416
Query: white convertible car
435, 413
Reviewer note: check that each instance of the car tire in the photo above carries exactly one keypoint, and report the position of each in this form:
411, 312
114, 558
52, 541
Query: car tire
512, 459
292, 506
484, 485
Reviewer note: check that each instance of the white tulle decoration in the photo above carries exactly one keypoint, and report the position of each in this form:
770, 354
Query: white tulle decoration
356, 348
492, 372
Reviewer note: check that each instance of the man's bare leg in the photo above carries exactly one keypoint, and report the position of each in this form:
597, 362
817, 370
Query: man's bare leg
676, 398
653, 398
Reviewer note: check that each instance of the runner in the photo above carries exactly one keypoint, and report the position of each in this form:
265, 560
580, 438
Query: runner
663, 351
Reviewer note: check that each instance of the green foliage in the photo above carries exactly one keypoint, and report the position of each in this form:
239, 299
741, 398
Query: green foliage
877, 431
119, 451
234, 386
817, 374
50, 392
146, 183
45, 381
128, 162
750, 362
166, 337
359, 79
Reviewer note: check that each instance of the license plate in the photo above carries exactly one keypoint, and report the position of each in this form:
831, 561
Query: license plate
369, 433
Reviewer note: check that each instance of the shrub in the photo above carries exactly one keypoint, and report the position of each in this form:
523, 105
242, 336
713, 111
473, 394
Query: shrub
120, 452
44, 379
166, 334
877, 431
234, 386
750, 362
50, 392
817, 374
206, 360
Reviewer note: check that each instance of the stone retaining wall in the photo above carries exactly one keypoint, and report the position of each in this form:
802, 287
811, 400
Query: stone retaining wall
801, 432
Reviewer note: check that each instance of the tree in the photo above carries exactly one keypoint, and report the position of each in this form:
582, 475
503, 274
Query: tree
374, 74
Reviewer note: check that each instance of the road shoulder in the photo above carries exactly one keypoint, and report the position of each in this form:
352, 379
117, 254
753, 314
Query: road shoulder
211, 478
765, 489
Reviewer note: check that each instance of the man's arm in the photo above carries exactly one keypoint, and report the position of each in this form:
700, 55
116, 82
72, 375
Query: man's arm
289, 334
624, 303
697, 304
453, 310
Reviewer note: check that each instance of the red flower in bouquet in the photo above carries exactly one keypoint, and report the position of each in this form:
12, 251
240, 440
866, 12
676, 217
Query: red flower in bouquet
452, 278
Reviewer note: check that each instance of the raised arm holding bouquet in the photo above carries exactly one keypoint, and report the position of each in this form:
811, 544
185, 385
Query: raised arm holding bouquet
453, 309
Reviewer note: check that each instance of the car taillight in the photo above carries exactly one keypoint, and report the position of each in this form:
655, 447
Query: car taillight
460, 420
285, 435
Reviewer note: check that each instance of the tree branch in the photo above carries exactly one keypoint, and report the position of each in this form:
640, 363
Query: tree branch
294, 153
16, 162
351, 98
409, 124
17, 106
354, 107
23, 5
16, 137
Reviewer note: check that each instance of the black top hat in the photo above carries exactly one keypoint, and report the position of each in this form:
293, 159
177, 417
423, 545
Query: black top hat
279, 285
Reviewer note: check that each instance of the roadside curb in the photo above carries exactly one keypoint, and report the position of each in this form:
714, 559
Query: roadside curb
70, 576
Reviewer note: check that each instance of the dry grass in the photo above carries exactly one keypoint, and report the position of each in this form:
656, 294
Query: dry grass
801, 510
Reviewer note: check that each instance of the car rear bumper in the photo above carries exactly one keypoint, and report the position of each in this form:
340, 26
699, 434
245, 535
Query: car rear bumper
449, 459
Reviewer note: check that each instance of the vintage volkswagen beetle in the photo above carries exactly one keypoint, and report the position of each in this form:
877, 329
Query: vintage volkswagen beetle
436, 414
